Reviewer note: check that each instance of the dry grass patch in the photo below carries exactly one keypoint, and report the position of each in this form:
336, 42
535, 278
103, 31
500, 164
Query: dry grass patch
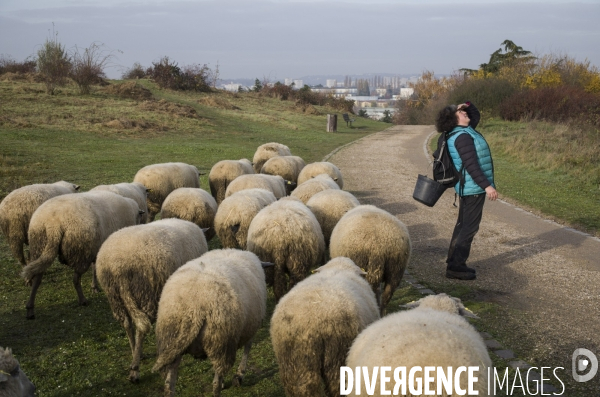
307, 109
129, 90
171, 108
219, 103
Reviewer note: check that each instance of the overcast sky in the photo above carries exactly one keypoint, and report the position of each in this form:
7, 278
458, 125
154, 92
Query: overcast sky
281, 39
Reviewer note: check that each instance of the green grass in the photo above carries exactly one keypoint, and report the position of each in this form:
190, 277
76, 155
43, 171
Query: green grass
548, 168
70, 350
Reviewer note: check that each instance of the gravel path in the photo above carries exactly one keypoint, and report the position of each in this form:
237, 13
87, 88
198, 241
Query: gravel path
545, 277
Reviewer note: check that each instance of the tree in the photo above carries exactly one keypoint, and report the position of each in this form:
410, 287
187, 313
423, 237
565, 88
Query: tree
387, 116
257, 85
512, 54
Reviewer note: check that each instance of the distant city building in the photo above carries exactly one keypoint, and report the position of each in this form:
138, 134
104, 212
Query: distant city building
288, 81
405, 93
331, 83
231, 87
298, 84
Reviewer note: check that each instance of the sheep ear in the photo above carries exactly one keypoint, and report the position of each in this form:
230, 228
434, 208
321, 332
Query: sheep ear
463, 311
205, 229
4, 376
76, 187
267, 264
335, 179
141, 212
201, 173
412, 305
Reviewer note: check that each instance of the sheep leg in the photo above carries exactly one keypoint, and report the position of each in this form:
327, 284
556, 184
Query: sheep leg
388, 292
171, 377
134, 373
280, 284
217, 384
35, 284
16, 246
77, 285
94, 279
239, 376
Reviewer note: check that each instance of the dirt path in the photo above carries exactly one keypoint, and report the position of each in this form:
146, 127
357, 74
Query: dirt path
547, 277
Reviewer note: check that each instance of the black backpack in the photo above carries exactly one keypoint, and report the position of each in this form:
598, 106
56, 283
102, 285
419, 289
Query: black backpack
444, 171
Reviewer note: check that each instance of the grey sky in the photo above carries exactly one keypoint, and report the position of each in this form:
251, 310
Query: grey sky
288, 39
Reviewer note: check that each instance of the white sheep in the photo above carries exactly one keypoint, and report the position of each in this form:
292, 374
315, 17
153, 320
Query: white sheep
329, 206
210, 307
288, 167
135, 191
194, 205
225, 171
434, 334
134, 264
266, 151
235, 214
273, 183
18, 206
162, 179
72, 227
322, 167
305, 190
314, 324
287, 234
13, 381
376, 241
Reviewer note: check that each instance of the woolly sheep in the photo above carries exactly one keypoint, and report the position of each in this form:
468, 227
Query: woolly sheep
16, 210
434, 334
73, 227
266, 151
317, 184
377, 242
273, 183
135, 191
329, 206
314, 324
210, 307
225, 171
133, 265
287, 234
194, 205
235, 214
162, 179
323, 167
13, 381
288, 167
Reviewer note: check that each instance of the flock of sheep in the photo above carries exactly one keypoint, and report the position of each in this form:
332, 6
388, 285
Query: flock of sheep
274, 217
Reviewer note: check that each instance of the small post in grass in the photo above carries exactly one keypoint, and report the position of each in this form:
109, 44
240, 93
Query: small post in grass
332, 123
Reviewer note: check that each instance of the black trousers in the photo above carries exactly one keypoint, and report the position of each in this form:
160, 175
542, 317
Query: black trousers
470, 211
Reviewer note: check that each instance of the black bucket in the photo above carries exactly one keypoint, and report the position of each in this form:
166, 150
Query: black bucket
428, 191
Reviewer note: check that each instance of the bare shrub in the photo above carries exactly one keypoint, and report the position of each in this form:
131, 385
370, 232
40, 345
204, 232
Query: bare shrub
167, 74
9, 65
487, 93
53, 64
135, 72
305, 97
558, 104
87, 66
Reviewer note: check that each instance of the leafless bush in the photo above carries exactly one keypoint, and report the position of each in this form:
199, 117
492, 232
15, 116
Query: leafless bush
87, 65
9, 65
135, 72
167, 74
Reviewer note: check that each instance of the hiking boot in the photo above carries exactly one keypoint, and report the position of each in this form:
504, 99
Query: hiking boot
460, 275
461, 272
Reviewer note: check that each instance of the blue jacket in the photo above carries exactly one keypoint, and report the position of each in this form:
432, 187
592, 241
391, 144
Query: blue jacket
484, 160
